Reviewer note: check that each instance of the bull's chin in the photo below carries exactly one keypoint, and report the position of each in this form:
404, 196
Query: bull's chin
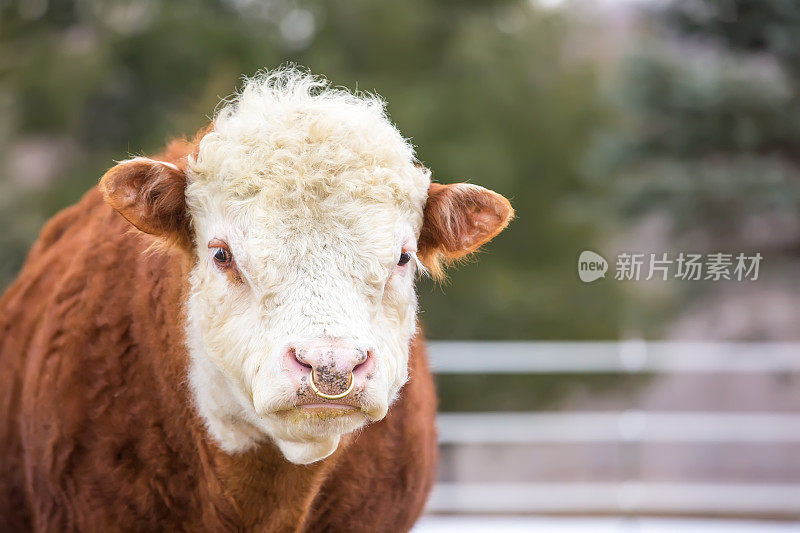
312, 432
303, 452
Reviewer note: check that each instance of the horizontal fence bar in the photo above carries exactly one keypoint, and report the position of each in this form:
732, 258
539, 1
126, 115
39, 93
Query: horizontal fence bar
735, 499
712, 427
635, 356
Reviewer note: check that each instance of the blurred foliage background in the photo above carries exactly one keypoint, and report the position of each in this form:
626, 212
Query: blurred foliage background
611, 125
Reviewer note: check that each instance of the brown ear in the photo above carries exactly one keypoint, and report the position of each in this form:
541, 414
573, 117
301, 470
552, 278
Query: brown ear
458, 219
150, 194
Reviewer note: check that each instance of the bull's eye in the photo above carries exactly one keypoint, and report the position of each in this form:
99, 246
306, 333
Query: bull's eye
405, 257
222, 256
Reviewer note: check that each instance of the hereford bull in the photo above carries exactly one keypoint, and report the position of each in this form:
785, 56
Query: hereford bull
213, 338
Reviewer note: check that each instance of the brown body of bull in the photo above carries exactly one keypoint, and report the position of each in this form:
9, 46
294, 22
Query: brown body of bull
97, 429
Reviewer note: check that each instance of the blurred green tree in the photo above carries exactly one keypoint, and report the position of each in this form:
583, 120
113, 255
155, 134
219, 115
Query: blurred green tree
769, 27
707, 133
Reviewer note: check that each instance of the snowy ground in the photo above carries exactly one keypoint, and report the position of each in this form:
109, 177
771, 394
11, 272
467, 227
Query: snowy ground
466, 524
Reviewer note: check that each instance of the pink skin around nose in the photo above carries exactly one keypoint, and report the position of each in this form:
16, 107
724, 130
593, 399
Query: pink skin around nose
332, 361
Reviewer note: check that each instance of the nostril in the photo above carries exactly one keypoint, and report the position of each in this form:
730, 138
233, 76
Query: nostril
297, 357
366, 357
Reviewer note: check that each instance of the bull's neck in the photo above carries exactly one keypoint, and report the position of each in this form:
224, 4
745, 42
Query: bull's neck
269, 492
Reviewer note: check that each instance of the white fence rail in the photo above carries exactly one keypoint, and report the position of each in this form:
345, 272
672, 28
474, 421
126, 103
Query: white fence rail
602, 498
511, 357
514, 428
727, 497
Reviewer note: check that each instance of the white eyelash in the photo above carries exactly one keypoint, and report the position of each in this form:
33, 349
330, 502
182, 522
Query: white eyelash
420, 267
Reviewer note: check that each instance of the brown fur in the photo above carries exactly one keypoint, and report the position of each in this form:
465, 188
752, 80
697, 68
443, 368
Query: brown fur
97, 430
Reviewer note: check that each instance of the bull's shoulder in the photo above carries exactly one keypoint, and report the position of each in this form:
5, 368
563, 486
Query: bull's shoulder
62, 238
23, 310
83, 251
92, 346
23, 306
59, 272
64, 224
91, 299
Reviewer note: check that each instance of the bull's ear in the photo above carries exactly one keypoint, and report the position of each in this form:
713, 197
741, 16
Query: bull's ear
150, 194
458, 219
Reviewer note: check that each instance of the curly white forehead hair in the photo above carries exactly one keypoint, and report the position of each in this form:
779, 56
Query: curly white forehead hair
303, 136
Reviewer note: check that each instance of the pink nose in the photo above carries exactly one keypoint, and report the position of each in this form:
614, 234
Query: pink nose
330, 367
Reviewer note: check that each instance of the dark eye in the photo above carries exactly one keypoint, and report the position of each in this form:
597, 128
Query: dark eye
222, 256
405, 257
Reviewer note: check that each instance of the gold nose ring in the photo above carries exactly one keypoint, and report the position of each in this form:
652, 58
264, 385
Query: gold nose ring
321, 394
